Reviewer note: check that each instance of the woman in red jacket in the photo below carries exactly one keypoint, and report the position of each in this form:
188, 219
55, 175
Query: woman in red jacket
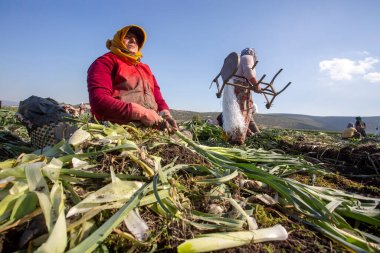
121, 88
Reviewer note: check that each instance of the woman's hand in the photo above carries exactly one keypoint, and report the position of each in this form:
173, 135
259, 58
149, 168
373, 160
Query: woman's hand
170, 123
146, 116
150, 118
256, 85
257, 88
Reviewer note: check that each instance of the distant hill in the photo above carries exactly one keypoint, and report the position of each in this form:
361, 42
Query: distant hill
8, 103
291, 121
277, 120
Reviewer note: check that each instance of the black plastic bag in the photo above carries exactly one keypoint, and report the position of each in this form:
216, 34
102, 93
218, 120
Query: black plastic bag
47, 122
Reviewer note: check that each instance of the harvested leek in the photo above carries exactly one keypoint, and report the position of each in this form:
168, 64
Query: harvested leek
219, 241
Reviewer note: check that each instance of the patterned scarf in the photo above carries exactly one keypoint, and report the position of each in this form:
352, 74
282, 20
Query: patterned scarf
116, 45
249, 51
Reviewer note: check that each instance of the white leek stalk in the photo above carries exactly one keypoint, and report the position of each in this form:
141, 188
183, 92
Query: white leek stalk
219, 241
79, 137
136, 225
252, 224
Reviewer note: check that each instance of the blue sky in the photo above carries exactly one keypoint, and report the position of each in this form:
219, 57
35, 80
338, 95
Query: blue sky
329, 49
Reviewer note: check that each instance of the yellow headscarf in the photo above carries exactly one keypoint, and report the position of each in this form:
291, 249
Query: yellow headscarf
116, 45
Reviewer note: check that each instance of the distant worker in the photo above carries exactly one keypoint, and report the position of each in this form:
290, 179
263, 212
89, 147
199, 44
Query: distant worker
350, 132
123, 89
238, 108
360, 126
378, 129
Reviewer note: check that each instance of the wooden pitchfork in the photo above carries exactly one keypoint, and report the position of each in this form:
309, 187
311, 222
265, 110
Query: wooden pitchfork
228, 71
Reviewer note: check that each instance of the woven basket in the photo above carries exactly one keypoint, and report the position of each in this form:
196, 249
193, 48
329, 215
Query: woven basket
51, 134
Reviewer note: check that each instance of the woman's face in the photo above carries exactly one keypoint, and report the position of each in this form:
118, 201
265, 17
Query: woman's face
131, 43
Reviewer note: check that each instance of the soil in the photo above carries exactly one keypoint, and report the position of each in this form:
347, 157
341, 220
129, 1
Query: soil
182, 155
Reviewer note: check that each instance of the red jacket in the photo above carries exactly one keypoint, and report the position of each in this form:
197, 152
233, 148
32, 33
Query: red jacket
107, 77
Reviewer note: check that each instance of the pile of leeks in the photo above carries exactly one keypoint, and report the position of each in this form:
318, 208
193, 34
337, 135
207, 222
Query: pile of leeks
45, 182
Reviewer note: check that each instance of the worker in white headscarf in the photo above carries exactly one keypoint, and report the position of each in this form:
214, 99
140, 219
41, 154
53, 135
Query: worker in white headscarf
237, 101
